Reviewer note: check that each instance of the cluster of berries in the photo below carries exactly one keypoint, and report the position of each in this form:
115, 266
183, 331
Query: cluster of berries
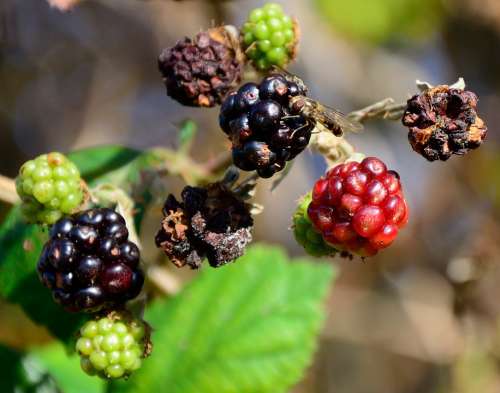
355, 209
88, 263
202, 71
258, 122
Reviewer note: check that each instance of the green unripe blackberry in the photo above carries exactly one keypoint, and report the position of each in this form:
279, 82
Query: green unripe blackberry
49, 187
269, 37
113, 346
304, 233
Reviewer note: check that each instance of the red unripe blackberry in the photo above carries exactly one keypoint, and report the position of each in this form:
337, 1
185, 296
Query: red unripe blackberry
359, 207
262, 131
89, 263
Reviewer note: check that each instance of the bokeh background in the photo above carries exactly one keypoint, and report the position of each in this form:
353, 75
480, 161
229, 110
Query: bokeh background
422, 316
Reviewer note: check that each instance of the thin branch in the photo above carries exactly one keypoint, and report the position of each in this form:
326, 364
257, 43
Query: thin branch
164, 280
8, 192
385, 109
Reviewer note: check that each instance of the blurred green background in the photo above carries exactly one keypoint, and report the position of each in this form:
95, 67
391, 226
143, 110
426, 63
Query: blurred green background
422, 316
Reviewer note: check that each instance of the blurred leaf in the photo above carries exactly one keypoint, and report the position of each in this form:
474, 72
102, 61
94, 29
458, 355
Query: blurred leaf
187, 134
97, 161
66, 370
475, 370
20, 375
10, 365
126, 168
380, 20
20, 247
248, 327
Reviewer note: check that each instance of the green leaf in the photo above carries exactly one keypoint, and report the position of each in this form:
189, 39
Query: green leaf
94, 162
10, 364
187, 133
250, 327
22, 375
131, 170
20, 247
66, 370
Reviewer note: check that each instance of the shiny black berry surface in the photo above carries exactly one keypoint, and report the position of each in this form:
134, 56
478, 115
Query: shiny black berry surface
89, 263
257, 120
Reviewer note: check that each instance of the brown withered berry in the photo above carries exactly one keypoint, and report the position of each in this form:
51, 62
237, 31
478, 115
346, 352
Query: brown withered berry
210, 222
443, 121
201, 71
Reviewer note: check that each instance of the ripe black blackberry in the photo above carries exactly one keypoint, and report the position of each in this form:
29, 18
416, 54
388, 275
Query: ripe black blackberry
89, 263
258, 122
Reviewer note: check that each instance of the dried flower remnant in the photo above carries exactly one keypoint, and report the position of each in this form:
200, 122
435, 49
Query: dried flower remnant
201, 71
443, 121
210, 222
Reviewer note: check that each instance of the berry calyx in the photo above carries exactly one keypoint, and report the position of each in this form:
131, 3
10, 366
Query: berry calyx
305, 233
50, 187
89, 263
269, 37
113, 346
263, 133
358, 207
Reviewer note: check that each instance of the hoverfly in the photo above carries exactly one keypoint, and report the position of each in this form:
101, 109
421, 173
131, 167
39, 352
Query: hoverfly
314, 112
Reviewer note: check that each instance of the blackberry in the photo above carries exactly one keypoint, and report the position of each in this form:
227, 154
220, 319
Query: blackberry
258, 122
202, 71
113, 346
89, 263
443, 121
269, 37
49, 187
210, 222
305, 233
359, 207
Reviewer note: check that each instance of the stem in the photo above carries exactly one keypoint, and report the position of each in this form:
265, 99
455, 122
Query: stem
164, 280
385, 109
8, 192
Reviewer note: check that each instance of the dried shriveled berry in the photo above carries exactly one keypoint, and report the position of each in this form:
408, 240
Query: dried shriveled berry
200, 72
358, 208
210, 222
443, 121
89, 263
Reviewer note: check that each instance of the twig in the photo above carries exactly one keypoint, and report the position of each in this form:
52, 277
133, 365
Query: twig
8, 192
384, 109
164, 280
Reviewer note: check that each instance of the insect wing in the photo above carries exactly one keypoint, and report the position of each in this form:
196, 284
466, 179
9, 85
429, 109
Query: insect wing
326, 115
